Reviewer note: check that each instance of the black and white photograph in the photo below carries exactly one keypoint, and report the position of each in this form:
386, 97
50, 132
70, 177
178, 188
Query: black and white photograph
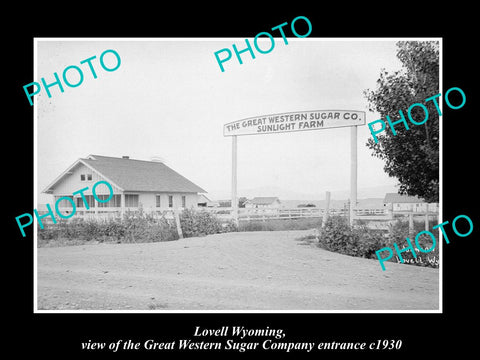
263, 184
200, 216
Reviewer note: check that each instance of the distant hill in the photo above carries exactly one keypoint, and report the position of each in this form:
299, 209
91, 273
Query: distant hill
368, 197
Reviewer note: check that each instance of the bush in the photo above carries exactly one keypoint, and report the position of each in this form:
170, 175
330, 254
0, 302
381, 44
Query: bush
201, 223
138, 226
338, 236
399, 231
370, 240
132, 227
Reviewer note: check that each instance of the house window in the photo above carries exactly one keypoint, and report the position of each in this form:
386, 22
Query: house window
116, 201
131, 200
84, 177
184, 201
113, 202
90, 200
157, 201
64, 203
170, 201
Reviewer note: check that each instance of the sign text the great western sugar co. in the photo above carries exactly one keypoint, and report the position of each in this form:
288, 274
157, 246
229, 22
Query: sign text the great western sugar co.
294, 121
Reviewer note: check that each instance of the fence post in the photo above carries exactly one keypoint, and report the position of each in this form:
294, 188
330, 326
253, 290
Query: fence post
390, 211
426, 217
327, 208
410, 222
177, 222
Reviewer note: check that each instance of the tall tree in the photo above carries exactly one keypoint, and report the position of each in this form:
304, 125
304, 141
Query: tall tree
412, 156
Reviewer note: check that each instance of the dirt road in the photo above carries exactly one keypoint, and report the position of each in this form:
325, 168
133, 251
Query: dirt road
234, 271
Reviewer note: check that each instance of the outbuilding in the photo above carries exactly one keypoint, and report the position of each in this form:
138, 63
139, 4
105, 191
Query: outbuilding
397, 202
263, 203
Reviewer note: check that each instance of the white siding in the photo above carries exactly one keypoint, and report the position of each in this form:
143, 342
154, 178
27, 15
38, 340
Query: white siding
148, 200
417, 207
71, 183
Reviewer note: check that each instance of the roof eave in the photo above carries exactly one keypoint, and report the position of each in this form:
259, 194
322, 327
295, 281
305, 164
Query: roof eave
48, 189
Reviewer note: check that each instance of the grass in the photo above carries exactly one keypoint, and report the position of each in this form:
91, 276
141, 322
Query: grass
280, 224
58, 242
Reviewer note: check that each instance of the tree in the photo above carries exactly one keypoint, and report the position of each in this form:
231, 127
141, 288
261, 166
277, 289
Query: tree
306, 205
241, 202
412, 156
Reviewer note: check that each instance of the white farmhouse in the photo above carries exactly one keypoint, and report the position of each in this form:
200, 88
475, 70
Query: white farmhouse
150, 185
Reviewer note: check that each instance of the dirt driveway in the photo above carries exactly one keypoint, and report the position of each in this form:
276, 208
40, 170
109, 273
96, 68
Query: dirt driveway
234, 271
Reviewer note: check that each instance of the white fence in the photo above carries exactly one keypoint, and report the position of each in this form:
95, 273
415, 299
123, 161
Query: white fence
247, 214
380, 218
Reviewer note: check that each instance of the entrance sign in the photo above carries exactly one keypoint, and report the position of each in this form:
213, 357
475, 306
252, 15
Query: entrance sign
294, 121
298, 121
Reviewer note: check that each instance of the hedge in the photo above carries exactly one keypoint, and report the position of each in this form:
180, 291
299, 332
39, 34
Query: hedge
339, 236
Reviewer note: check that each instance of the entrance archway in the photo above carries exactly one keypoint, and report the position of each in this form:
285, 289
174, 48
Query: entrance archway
297, 121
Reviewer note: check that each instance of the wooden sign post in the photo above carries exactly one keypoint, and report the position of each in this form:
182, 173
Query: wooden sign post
234, 180
353, 173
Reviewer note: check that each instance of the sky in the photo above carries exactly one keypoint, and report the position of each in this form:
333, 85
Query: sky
169, 99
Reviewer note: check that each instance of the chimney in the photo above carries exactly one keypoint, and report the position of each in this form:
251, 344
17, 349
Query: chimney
125, 157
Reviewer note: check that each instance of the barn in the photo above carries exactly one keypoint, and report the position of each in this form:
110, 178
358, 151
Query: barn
150, 185
398, 202
263, 203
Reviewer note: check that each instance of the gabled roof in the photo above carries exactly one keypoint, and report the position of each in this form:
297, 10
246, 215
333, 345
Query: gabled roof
138, 175
397, 198
263, 200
